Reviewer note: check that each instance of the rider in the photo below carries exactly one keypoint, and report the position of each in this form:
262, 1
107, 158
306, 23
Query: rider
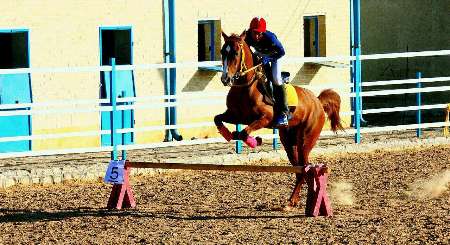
269, 49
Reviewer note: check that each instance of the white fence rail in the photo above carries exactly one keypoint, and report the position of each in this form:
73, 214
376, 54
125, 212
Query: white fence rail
195, 98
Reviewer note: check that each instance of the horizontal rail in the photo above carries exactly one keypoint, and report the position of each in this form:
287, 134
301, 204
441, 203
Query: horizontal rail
348, 131
402, 91
184, 95
53, 111
405, 55
210, 141
173, 104
55, 152
405, 108
56, 70
171, 144
56, 103
220, 101
405, 81
201, 101
55, 136
195, 64
190, 95
215, 167
404, 127
295, 60
163, 127
407, 91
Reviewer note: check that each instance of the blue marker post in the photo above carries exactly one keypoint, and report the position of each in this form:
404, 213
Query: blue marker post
113, 101
419, 104
238, 142
355, 37
275, 139
124, 152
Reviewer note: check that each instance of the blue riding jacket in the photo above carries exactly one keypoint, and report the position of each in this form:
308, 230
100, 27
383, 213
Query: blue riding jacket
269, 46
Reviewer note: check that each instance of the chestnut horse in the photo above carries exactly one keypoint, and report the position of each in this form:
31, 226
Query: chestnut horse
245, 105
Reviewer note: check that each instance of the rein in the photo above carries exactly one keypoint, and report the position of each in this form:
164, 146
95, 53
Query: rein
244, 70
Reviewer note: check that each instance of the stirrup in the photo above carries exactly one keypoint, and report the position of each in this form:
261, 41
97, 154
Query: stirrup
281, 120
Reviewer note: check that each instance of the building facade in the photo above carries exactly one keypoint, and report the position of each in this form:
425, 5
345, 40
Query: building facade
80, 33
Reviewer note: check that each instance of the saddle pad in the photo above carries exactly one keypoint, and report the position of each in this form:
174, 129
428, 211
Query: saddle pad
291, 95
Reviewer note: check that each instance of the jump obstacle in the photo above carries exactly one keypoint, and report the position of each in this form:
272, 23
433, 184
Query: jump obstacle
315, 176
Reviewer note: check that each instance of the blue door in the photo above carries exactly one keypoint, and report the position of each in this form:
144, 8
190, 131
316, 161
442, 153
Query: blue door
116, 42
14, 89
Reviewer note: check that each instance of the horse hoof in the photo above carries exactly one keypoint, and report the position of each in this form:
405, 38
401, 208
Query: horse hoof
251, 142
258, 141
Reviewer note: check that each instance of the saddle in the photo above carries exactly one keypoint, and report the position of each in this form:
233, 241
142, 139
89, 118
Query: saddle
266, 89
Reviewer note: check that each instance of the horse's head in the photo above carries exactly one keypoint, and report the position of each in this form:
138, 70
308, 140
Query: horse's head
234, 58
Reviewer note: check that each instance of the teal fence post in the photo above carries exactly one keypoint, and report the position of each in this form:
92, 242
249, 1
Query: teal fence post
238, 142
113, 101
355, 29
275, 139
419, 104
124, 152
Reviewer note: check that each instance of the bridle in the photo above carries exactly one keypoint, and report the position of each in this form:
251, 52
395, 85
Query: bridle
243, 70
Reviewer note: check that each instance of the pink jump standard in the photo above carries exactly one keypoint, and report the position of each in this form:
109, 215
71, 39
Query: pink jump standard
316, 177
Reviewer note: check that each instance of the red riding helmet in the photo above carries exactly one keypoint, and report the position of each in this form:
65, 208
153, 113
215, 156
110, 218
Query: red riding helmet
258, 24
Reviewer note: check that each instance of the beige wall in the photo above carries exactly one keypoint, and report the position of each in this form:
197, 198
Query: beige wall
285, 20
66, 34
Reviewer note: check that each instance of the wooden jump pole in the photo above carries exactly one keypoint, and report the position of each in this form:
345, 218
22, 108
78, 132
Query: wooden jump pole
316, 177
215, 167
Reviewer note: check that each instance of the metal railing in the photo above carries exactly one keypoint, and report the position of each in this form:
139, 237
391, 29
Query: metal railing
94, 105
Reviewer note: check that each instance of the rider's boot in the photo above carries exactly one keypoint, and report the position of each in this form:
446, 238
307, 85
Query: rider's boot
281, 108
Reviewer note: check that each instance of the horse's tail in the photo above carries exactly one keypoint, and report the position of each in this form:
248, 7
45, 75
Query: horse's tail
331, 102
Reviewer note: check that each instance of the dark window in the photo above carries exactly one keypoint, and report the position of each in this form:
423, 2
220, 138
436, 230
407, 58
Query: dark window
314, 36
14, 50
209, 41
116, 44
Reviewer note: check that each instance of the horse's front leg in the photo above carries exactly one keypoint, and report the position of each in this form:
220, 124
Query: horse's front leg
219, 120
244, 135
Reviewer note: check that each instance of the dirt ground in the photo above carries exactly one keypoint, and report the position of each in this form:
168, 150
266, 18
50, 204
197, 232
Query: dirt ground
382, 197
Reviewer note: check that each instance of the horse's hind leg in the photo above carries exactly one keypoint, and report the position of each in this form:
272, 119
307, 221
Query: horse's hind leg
288, 137
305, 143
306, 140
289, 144
309, 139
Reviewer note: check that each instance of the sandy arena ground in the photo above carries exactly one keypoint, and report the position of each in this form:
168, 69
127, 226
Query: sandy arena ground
380, 197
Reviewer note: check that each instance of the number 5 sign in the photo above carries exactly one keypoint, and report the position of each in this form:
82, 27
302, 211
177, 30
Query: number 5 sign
114, 173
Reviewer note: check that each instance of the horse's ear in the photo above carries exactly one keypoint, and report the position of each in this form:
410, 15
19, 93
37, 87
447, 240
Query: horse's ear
243, 35
224, 35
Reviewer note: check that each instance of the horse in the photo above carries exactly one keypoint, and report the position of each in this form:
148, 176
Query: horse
245, 105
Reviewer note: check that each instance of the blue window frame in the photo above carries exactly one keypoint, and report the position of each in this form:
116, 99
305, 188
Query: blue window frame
15, 88
209, 42
314, 36
117, 42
